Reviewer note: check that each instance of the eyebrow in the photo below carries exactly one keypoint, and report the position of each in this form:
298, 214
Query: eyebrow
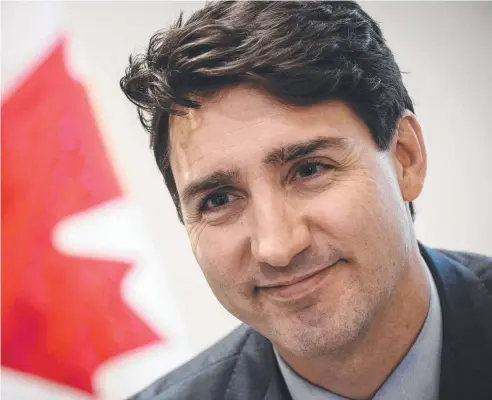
276, 157
285, 154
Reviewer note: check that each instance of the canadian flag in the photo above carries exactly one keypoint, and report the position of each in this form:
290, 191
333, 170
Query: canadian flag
82, 313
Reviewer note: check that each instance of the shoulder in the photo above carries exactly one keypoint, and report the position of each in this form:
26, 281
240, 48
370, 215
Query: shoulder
479, 264
206, 376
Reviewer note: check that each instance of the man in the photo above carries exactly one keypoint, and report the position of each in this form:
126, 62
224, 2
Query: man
289, 145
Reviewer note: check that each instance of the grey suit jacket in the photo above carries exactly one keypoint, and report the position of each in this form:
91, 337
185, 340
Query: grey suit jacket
242, 366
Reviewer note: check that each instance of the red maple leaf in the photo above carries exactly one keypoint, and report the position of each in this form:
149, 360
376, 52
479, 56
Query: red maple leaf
61, 316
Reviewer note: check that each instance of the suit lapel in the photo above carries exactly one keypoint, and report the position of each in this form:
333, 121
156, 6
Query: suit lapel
256, 374
277, 389
466, 361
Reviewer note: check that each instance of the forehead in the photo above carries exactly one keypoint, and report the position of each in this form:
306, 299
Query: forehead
239, 126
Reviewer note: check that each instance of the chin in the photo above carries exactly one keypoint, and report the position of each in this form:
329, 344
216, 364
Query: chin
315, 343
323, 335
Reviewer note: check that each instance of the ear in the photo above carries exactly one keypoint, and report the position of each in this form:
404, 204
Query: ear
409, 155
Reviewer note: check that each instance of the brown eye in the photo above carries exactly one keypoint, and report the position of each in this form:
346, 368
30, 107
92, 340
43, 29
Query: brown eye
311, 168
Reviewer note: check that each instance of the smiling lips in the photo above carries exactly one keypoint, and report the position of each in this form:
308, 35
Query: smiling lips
297, 287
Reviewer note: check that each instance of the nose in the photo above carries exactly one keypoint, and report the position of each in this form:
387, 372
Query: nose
280, 233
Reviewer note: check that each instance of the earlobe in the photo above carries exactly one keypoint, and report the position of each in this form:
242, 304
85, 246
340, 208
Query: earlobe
410, 156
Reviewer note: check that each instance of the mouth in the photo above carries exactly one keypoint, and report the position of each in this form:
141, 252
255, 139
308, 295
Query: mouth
296, 288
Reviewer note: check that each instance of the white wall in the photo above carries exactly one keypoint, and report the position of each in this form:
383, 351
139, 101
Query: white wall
445, 47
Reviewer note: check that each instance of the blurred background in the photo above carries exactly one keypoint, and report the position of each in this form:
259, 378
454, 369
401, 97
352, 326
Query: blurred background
100, 291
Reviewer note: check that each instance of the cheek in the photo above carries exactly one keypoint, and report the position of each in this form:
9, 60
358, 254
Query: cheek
347, 210
222, 256
219, 252
362, 211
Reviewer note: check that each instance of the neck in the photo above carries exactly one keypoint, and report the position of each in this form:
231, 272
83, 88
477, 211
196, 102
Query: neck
360, 369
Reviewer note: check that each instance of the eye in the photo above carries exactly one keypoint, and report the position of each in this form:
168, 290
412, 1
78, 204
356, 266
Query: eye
216, 200
309, 169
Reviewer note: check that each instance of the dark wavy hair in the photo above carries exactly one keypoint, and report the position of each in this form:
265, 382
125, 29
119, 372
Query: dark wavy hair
300, 52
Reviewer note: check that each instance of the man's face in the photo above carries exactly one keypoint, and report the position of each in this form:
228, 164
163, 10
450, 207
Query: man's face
295, 217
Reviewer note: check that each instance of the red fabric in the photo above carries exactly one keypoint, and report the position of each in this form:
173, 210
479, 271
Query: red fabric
61, 316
